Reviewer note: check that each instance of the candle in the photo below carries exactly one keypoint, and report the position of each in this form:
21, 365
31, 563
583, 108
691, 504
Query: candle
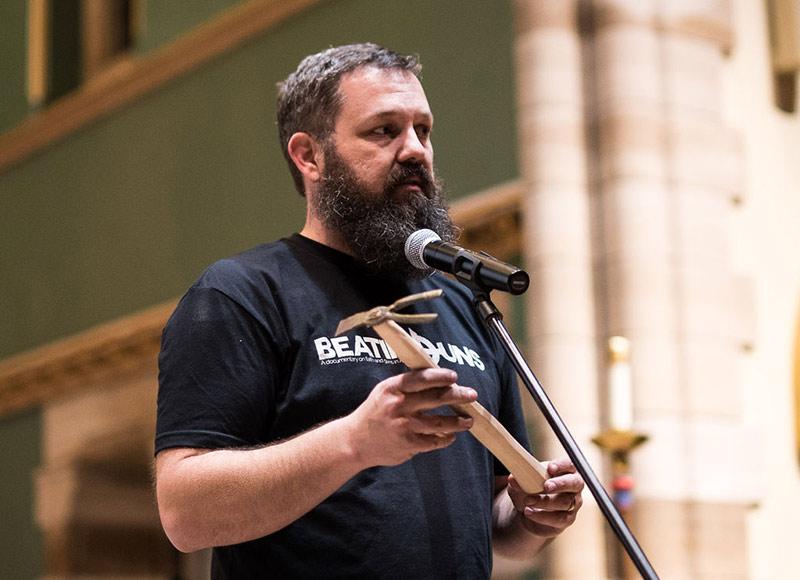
620, 392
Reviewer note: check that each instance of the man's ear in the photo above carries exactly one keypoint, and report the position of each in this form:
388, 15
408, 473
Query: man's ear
306, 153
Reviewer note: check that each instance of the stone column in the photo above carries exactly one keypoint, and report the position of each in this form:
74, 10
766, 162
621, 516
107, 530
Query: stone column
557, 248
667, 174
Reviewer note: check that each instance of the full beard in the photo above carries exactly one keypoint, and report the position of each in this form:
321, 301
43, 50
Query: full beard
375, 226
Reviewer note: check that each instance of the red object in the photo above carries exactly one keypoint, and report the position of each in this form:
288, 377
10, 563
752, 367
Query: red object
623, 483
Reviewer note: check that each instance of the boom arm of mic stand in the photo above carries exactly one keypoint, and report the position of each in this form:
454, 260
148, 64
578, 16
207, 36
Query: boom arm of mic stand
494, 321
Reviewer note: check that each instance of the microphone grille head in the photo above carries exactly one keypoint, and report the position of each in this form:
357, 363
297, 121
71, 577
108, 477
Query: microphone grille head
415, 246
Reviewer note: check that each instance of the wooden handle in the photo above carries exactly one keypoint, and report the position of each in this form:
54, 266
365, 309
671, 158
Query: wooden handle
529, 472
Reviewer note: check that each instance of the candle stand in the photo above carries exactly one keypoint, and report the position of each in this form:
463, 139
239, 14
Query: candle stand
619, 444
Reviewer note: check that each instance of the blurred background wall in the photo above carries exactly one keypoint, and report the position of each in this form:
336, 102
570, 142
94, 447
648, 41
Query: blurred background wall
639, 156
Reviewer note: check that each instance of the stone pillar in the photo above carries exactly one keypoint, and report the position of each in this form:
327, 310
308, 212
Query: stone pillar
667, 174
557, 248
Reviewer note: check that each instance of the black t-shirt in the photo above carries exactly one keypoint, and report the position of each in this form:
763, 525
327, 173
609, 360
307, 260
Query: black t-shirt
250, 357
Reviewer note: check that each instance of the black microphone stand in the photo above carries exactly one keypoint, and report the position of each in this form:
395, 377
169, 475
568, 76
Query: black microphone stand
493, 320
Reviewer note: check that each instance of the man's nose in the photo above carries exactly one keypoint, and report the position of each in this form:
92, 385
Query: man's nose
412, 148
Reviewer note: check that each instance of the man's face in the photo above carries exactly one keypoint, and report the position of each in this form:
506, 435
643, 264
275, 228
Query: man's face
378, 184
384, 121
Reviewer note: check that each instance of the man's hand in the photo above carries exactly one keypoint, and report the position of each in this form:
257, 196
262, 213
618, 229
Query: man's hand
393, 425
549, 513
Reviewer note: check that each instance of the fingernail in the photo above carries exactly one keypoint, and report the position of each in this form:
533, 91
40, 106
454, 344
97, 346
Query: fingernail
528, 511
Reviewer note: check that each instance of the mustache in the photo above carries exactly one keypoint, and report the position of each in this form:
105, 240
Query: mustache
411, 172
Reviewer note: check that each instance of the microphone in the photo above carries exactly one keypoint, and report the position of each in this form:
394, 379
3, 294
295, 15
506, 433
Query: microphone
478, 270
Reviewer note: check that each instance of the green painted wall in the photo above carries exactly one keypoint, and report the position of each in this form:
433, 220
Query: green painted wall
20, 542
13, 59
125, 213
161, 21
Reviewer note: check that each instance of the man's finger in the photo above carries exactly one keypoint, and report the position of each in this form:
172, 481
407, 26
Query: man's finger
436, 397
557, 520
560, 502
433, 424
560, 467
564, 483
425, 443
423, 379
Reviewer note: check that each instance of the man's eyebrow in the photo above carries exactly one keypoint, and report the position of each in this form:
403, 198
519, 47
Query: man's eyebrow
393, 113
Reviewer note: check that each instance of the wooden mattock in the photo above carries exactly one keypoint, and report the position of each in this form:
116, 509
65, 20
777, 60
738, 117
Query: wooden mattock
528, 471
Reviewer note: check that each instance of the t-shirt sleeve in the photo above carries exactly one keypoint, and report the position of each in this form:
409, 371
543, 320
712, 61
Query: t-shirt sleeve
216, 375
510, 412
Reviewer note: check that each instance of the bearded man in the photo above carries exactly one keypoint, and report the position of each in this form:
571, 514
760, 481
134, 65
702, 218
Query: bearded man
297, 454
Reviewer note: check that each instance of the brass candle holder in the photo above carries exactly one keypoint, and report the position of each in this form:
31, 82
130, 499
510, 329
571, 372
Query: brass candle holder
620, 438
619, 444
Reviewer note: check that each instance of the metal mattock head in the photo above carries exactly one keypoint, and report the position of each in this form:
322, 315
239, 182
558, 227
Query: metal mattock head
382, 313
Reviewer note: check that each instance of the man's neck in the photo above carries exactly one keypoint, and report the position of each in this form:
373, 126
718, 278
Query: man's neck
314, 230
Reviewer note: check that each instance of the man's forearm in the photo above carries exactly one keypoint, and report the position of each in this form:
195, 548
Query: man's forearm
214, 498
510, 537
222, 497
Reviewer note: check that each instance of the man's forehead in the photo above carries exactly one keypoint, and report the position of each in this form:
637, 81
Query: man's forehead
370, 91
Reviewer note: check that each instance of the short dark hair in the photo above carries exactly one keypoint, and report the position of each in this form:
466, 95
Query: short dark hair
309, 100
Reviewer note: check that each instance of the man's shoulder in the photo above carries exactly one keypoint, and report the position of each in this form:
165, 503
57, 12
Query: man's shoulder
452, 289
254, 265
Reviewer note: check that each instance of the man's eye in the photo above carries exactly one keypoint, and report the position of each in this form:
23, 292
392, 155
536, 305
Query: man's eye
423, 130
384, 130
